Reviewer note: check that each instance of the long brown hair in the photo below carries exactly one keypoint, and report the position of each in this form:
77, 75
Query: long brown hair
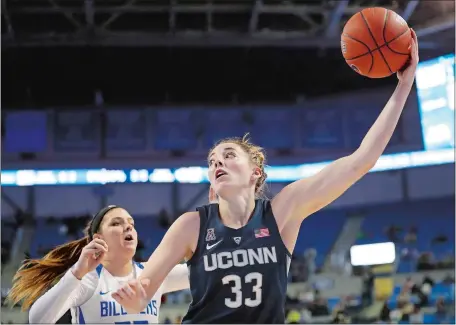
36, 276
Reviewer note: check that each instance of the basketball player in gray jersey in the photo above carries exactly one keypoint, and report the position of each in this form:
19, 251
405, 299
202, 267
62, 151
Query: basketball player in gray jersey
238, 248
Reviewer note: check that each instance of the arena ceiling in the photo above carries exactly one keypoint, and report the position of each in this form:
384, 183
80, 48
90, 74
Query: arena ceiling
204, 23
60, 52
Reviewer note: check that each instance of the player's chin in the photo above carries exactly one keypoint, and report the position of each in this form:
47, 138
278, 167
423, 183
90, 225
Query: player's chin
129, 244
128, 252
221, 186
227, 189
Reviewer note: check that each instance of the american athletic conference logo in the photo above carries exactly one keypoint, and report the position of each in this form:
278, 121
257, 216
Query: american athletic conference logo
210, 235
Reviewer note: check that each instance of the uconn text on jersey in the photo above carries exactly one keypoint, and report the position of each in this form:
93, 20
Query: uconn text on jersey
240, 258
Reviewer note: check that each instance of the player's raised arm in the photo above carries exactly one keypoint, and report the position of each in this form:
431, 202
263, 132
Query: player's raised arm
68, 293
178, 243
304, 197
177, 279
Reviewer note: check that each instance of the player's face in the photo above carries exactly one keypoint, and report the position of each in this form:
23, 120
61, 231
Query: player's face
230, 169
118, 231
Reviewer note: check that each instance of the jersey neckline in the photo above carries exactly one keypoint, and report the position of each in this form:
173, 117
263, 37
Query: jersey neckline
252, 216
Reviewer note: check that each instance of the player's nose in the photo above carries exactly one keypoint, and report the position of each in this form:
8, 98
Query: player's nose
218, 163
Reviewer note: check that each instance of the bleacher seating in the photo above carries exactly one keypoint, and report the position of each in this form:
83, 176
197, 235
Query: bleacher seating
320, 231
8, 231
47, 235
50, 234
439, 290
176, 129
150, 232
430, 218
8, 234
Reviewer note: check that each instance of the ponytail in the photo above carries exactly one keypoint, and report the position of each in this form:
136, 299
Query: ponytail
36, 276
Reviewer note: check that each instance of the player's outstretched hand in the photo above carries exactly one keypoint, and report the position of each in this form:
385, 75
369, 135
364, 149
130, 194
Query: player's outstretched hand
407, 74
132, 296
91, 256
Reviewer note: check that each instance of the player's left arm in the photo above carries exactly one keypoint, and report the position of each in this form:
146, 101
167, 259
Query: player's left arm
177, 279
306, 196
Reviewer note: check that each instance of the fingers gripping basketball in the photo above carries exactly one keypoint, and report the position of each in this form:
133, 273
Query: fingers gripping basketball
376, 42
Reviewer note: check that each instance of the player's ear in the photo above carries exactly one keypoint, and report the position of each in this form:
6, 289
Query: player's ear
256, 173
96, 235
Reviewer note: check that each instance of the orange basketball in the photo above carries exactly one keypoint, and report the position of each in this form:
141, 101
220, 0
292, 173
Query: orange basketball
375, 42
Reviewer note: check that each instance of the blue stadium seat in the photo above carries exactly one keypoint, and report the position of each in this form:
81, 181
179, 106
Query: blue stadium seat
150, 233
223, 123
431, 220
429, 319
176, 129
46, 236
320, 231
271, 128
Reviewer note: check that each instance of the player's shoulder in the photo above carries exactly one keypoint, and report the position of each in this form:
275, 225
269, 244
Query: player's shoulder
189, 219
185, 226
95, 274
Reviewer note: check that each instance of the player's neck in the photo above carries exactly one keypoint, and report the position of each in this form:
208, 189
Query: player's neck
118, 267
236, 212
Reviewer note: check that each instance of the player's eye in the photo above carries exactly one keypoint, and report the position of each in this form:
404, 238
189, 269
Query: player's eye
210, 162
230, 155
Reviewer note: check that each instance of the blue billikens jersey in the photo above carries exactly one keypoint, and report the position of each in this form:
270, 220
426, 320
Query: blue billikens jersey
238, 275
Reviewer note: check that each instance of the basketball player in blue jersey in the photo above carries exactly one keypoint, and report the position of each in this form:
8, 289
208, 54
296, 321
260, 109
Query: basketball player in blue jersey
238, 249
91, 269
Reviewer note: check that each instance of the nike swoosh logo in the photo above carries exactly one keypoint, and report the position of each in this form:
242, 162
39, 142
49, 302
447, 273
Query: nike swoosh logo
208, 247
104, 293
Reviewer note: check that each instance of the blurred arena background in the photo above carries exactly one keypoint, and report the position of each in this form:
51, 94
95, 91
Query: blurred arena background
118, 101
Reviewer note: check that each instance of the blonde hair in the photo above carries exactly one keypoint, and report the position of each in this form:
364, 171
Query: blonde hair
257, 157
36, 276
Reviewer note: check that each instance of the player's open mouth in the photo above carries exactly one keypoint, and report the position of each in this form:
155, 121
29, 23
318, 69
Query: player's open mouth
128, 238
219, 173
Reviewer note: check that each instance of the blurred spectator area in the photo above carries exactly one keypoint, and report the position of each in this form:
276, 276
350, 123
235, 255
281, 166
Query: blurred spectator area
313, 297
9, 228
423, 233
